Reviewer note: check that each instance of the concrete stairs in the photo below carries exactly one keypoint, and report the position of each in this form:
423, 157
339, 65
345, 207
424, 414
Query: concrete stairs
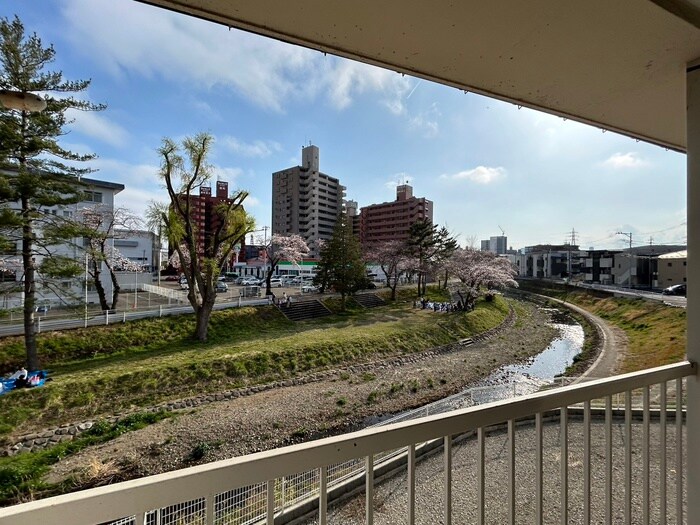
368, 300
301, 310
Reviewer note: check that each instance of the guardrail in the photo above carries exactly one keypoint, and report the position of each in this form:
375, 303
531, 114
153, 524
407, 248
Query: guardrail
215, 493
46, 324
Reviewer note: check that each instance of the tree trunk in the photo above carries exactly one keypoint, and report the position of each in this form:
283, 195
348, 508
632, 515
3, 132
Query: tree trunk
268, 276
203, 314
29, 288
115, 288
342, 302
101, 294
393, 290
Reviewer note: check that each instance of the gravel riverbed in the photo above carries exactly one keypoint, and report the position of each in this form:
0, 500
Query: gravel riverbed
292, 414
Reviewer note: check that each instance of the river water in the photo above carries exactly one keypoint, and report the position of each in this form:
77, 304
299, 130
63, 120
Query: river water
511, 380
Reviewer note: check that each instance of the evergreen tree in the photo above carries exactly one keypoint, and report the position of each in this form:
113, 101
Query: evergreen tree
35, 173
341, 266
429, 245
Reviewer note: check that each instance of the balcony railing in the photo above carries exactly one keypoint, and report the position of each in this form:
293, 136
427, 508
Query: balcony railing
611, 481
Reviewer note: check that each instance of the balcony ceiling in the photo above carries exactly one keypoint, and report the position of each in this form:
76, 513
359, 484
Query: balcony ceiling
616, 64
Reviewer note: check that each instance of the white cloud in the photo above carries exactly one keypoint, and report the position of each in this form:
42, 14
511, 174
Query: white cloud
257, 148
98, 127
625, 160
154, 43
426, 121
227, 174
251, 202
479, 175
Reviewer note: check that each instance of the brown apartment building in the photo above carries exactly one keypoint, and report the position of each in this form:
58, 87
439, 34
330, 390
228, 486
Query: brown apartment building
391, 220
205, 219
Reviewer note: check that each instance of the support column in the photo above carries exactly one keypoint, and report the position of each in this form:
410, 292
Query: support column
693, 306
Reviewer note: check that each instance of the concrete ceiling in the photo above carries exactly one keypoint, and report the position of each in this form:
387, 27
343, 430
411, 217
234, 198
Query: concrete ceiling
617, 64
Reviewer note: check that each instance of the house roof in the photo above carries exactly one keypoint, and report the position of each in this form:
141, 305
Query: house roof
683, 254
617, 64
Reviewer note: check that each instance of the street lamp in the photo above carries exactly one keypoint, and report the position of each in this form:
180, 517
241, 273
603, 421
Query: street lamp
21, 101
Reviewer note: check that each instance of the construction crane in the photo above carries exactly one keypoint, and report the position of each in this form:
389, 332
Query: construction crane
503, 232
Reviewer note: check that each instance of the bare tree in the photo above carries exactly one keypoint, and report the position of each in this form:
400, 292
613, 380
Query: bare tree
201, 265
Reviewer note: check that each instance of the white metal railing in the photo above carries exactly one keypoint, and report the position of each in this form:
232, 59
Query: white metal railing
77, 319
251, 488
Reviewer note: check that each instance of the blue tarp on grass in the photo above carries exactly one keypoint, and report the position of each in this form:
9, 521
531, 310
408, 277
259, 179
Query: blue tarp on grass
7, 385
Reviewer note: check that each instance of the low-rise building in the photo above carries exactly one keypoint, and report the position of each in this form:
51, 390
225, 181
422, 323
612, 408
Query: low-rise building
672, 268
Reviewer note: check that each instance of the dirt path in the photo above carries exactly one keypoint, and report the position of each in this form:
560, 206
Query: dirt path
614, 344
287, 415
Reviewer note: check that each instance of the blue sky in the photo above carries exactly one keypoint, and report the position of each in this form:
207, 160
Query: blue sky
482, 162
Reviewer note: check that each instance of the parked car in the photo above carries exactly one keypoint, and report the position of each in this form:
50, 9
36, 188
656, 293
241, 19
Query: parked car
676, 289
221, 287
276, 282
184, 285
251, 281
309, 288
171, 278
42, 308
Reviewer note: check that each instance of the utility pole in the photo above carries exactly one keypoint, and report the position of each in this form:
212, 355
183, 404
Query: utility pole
651, 274
629, 236
571, 242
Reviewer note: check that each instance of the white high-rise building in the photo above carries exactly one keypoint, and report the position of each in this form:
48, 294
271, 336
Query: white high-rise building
306, 201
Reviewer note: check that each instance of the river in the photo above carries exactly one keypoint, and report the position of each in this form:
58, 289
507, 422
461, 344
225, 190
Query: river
511, 380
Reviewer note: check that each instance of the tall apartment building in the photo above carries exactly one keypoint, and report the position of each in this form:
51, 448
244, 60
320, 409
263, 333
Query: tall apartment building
392, 220
306, 201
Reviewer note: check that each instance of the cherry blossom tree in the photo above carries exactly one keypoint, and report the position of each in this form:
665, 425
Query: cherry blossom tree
394, 259
292, 248
92, 232
478, 272
100, 226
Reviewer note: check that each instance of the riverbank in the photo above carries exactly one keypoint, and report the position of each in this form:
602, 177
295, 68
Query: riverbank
296, 413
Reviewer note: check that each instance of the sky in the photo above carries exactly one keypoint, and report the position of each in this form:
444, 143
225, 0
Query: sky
488, 166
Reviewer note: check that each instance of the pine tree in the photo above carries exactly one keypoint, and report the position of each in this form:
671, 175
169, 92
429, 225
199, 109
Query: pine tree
341, 266
35, 173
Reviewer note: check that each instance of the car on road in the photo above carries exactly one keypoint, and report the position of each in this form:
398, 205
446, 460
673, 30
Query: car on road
184, 285
676, 289
309, 288
221, 287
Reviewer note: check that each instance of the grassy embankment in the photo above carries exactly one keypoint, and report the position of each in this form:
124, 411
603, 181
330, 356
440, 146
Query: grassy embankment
656, 332
103, 370
98, 371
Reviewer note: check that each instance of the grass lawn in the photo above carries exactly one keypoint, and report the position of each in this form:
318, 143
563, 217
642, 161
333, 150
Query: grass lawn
102, 370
